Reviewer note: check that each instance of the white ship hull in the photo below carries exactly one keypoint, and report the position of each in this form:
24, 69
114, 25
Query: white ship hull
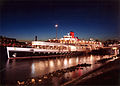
13, 52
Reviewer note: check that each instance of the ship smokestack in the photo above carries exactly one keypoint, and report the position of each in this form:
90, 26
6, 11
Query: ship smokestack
35, 38
72, 34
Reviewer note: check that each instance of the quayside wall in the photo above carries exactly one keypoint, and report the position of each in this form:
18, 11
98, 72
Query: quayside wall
3, 54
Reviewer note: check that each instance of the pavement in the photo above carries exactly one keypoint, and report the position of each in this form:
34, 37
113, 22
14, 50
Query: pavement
109, 78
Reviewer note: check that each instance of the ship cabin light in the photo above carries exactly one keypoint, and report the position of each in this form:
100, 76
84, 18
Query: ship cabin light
99, 43
37, 46
49, 39
114, 48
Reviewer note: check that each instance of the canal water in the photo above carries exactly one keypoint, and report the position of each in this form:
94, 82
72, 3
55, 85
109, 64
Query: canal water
14, 70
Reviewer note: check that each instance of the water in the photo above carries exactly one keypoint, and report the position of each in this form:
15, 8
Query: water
20, 70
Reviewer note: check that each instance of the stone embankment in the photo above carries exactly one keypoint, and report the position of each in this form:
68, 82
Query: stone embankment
107, 74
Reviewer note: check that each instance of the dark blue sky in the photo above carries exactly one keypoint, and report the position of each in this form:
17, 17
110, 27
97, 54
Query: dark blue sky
24, 19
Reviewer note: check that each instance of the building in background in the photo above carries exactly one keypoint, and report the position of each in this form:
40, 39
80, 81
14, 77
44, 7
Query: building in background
12, 42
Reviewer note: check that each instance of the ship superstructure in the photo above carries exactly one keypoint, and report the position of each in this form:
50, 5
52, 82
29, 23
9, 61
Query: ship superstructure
69, 42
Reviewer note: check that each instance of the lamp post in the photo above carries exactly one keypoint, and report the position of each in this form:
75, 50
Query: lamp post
56, 26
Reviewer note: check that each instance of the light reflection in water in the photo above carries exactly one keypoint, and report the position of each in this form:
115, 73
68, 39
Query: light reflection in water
91, 59
46, 63
58, 63
33, 69
51, 66
70, 61
65, 62
51, 63
43, 67
36, 67
77, 60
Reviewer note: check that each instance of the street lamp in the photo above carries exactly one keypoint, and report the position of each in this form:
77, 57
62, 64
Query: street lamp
56, 26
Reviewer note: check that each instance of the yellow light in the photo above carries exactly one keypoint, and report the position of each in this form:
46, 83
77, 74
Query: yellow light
45, 77
33, 80
20, 83
114, 48
40, 80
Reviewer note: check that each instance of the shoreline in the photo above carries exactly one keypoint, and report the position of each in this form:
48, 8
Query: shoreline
85, 79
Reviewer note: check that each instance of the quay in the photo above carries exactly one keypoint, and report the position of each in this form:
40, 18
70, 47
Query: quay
107, 74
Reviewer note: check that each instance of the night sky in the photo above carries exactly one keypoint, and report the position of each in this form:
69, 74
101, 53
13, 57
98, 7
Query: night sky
24, 19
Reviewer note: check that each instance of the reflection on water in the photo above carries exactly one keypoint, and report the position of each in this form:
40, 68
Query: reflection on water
24, 69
